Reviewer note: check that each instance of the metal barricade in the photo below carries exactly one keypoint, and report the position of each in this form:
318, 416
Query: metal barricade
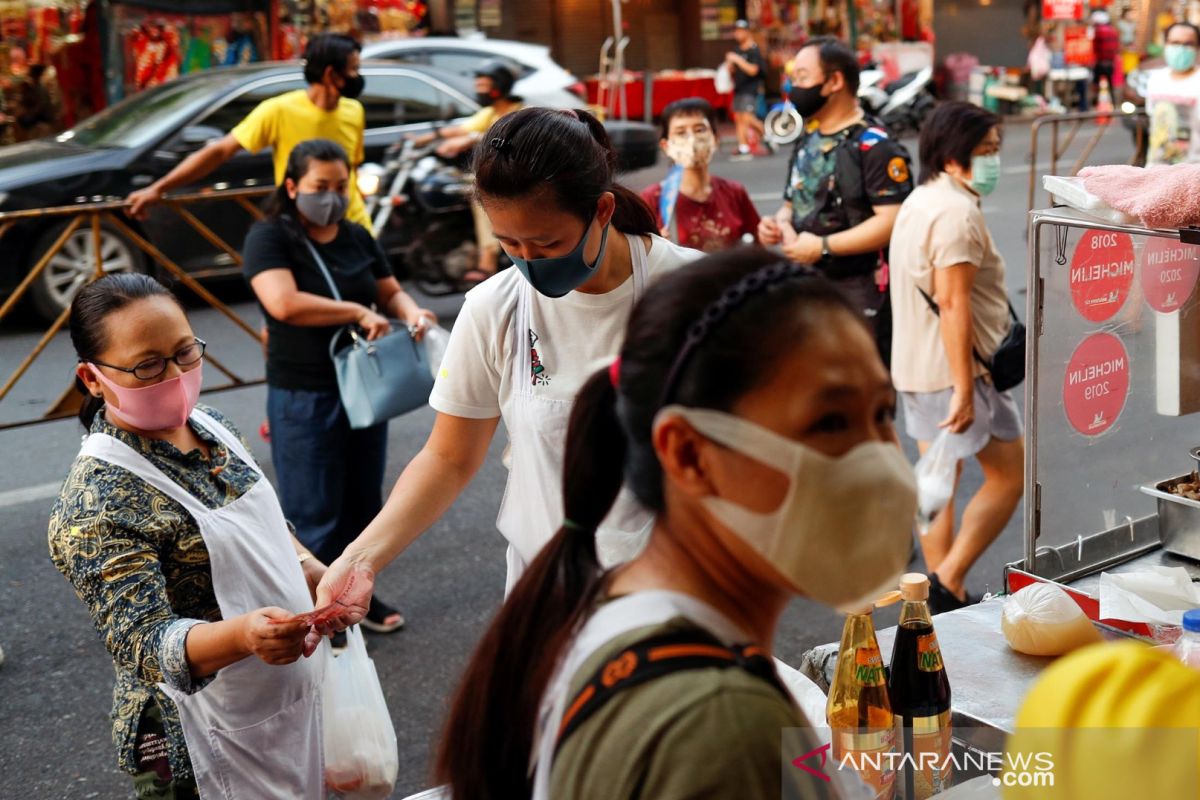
1061, 142
95, 215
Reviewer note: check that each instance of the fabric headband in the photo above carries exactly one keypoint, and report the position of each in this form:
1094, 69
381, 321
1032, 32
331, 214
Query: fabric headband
758, 282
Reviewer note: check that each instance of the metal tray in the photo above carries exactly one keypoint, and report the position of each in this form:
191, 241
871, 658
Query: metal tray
1178, 518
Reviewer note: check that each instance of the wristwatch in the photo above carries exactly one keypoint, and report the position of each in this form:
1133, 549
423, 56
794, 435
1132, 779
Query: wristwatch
825, 251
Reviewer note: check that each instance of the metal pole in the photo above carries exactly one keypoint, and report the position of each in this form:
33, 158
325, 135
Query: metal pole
619, 62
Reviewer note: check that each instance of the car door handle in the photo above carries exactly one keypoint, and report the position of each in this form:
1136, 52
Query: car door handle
141, 180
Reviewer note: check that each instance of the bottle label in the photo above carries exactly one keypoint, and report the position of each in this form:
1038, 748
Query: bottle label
929, 755
869, 752
868, 666
929, 654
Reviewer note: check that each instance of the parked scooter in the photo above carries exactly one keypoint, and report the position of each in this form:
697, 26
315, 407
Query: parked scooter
420, 209
902, 105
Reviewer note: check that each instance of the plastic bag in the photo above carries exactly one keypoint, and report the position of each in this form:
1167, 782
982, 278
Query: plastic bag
361, 759
437, 339
936, 474
1043, 620
1040, 57
723, 81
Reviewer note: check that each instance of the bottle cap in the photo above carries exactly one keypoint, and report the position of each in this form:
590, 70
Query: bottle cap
914, 586
1191, 620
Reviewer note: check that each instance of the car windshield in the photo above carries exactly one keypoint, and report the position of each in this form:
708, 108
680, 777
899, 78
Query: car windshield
147, 116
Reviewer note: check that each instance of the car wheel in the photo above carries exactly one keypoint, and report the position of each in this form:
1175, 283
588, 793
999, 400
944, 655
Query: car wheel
75, 264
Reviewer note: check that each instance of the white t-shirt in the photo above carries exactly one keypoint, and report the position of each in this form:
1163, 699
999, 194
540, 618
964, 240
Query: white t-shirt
1174, 108
570, 338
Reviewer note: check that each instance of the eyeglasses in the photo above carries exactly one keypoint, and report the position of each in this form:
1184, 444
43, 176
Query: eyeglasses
151, 368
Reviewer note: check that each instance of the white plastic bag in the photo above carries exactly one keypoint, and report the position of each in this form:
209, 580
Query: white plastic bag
1043, 620
936, 473
437, 339
361, 759
723, 81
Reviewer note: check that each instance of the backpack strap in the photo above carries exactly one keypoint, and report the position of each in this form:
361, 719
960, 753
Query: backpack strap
656, 657
937, 312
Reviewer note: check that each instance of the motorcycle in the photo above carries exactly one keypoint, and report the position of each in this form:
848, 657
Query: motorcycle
902, 105
420, 209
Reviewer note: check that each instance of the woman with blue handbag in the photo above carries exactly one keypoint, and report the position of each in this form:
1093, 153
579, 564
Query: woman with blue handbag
315, 274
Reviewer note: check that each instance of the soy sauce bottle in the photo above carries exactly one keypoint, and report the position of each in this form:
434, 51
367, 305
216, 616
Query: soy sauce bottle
859, 710
920, 695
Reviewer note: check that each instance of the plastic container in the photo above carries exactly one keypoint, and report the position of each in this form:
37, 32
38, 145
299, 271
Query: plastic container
1187, 649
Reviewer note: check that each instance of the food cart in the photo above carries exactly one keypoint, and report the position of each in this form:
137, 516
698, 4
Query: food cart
1113, 377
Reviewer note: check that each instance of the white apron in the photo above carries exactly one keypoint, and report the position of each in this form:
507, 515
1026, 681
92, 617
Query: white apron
255, 730
532, 509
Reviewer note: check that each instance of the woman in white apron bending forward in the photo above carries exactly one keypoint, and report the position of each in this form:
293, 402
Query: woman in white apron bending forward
524, 342
750, 410
174, 539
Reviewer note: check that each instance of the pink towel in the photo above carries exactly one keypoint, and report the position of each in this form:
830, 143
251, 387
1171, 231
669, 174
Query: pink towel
1161, 197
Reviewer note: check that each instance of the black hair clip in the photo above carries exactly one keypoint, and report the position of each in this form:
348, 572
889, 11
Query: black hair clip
498, 144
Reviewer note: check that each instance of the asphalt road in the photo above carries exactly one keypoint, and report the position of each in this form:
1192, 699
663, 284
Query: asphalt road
55, 685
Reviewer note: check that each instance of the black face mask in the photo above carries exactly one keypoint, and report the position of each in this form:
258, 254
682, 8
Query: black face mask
807, 100
485, 99
352, 86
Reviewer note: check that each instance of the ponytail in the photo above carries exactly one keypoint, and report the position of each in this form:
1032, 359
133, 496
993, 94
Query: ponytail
564, 154
485, 746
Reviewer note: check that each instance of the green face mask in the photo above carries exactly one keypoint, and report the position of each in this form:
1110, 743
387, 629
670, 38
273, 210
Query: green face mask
985, 173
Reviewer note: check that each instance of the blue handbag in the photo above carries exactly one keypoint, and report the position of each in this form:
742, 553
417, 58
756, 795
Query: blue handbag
380, 379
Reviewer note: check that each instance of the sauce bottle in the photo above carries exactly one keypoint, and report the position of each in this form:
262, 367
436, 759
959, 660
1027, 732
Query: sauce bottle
859, 711
920, 695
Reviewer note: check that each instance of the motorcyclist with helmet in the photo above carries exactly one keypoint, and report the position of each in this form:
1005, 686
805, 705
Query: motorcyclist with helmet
494, 81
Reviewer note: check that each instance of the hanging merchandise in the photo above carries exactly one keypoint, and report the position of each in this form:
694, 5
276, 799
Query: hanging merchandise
155, 48
242, 43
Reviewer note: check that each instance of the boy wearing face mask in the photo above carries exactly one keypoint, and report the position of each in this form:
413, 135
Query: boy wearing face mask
327, 109
695, 208
1173, 99
846, 180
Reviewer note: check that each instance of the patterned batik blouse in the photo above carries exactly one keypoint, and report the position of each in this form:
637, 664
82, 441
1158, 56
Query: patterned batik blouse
137, 559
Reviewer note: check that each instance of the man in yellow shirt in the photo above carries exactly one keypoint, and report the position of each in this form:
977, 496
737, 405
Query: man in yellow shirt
494, 82
327, 109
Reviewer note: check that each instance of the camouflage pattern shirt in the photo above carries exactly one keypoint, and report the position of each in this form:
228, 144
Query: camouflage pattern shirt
137, 559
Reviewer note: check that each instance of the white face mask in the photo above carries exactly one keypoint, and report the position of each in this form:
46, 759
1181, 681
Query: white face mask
843, 533
692, 149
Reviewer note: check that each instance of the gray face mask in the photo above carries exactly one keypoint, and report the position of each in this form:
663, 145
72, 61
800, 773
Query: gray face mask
322, 208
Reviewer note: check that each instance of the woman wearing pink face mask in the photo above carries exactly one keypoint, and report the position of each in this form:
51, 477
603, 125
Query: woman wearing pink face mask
176, 542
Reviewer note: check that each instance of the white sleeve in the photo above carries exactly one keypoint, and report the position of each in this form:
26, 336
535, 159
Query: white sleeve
468, 383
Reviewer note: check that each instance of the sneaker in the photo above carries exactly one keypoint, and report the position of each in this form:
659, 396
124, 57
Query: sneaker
942, 599
377, 617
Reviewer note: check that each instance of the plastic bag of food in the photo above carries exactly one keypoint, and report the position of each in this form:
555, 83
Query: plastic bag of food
937, 473
437, 339
723, 81
1043, 620
361, 759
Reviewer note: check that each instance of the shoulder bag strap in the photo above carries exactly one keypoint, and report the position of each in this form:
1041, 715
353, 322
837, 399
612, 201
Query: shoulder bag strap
324, 270
663, 655
937, 312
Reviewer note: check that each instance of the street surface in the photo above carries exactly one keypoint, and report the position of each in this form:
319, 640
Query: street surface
55, 685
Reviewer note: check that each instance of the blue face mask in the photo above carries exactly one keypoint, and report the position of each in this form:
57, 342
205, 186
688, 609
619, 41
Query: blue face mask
1179, 57
556, 276
985, 173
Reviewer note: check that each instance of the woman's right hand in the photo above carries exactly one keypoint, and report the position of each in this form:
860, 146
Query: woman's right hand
769, 232
343, 597
266, 633
375, 325
962, 412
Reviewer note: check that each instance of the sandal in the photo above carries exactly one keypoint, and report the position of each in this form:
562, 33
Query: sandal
378, 615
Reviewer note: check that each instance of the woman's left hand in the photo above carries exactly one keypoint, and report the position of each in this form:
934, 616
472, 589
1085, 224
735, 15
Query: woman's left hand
313, 571
420, 322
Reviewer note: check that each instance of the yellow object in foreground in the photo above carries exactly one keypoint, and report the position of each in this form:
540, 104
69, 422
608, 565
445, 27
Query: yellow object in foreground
1106, 722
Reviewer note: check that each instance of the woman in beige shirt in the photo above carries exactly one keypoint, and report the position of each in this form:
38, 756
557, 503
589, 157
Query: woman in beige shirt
942, 254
